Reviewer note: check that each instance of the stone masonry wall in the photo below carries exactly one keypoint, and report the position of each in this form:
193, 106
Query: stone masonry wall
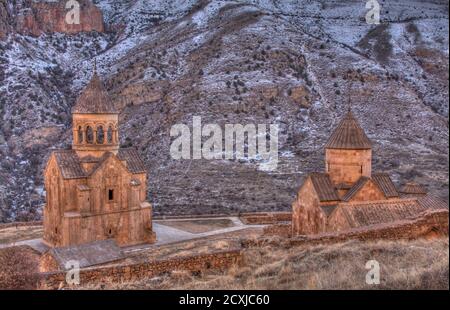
347, 166
119, 273
20, 224
369, 192
265, 218
283, 230
429, 224
307, 217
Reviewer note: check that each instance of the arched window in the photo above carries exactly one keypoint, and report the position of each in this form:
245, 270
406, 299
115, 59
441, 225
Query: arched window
100, 135
110, 135
89, 135
80, 135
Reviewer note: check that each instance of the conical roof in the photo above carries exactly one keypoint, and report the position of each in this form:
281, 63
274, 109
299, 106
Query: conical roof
94, 99
349, 135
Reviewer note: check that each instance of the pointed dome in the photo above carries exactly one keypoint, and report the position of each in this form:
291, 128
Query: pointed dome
349, 135
94, 99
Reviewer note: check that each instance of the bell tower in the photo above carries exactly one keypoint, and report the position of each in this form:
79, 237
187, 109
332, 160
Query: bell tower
95, 121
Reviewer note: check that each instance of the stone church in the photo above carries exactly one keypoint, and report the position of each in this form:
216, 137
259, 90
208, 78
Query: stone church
348, 194
96, 190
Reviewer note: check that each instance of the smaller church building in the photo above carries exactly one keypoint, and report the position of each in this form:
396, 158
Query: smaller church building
348, 194
96, 190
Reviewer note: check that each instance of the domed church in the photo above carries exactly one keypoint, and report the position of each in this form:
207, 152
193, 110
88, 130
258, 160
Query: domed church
96, 190
348, 194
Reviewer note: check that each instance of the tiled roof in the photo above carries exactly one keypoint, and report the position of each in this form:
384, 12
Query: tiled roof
94, 99
355, 188
432, 202
100, 162
71, 168
386, 185
349, 135
413, 188
134, 164
370, 213
90, 254
324, 187
381, 180
69, 164
134, 161
89, 159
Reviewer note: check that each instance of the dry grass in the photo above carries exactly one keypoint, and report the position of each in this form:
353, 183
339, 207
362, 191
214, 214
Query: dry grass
199, 226
13, 234
419, 264
19, 268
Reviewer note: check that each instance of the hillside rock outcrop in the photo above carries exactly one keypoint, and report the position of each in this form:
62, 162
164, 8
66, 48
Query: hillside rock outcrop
4, 25
35, 18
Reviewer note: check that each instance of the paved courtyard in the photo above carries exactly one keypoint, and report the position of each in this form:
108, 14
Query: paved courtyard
165, 234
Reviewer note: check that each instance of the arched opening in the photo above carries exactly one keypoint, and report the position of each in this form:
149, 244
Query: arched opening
89, 135
80, 135
100, 135
110, 135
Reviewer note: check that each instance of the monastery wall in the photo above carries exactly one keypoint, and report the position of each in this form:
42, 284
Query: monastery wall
21, 224
121, 273
265, 218
282, 230
430, 224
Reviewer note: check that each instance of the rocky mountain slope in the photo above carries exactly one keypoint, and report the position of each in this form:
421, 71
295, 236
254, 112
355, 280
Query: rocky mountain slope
293, 63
